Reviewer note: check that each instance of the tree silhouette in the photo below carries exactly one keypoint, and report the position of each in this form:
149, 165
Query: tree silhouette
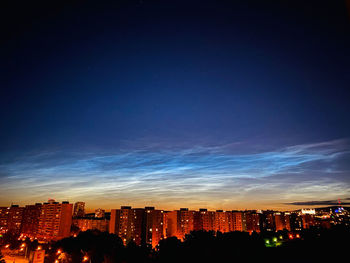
312, 245
2, 260
98, 246
170, 250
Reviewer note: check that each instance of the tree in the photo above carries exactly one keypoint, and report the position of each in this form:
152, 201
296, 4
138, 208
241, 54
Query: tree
170, 250
2, 260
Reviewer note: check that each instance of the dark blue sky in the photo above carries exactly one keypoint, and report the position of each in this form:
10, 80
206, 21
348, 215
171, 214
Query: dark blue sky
162, 78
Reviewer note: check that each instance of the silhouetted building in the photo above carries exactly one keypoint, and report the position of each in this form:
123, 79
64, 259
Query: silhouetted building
296, 223
14, 221
30, 222
79, 209
252, 222
4, 211
267, 221
99, 213
308, 220
238, 221
127, 223
84, 224
282, 221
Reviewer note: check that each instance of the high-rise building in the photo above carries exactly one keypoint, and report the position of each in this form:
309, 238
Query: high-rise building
153, 226
252, 221
222, 221
185, 222
171, 219
180, 222
30, 222
79, 209
14, 221
296, 223
287, 220
282, 221
308, 220
127, 223
267, 221
4, 211
114, 221
238, 221
203, 220
55, 220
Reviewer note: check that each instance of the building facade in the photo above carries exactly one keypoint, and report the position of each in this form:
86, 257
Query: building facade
30, 222
55, 220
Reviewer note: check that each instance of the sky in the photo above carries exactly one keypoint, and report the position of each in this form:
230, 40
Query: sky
199, 104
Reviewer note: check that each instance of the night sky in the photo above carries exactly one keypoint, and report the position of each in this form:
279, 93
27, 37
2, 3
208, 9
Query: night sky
214, 104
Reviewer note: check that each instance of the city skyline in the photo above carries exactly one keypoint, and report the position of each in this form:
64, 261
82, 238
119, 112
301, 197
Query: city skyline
193, 103
53, 220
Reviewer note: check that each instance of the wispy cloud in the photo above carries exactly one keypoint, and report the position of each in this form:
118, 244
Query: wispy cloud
198, 175
325, 203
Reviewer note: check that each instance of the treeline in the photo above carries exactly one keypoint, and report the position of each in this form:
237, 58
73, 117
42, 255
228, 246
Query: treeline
197, 246
311, 245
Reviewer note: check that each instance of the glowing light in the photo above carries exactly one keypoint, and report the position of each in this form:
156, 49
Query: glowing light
308, 211
7, 246
38, 248
59, 252
275, 239
298, 236
85, 258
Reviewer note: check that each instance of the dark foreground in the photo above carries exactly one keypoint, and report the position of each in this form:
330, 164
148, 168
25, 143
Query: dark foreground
312, 245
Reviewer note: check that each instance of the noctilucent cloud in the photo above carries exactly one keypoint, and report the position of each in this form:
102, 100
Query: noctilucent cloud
193, 104
216, 176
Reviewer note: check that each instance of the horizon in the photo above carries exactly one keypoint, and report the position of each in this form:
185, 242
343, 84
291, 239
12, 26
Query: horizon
293, 207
